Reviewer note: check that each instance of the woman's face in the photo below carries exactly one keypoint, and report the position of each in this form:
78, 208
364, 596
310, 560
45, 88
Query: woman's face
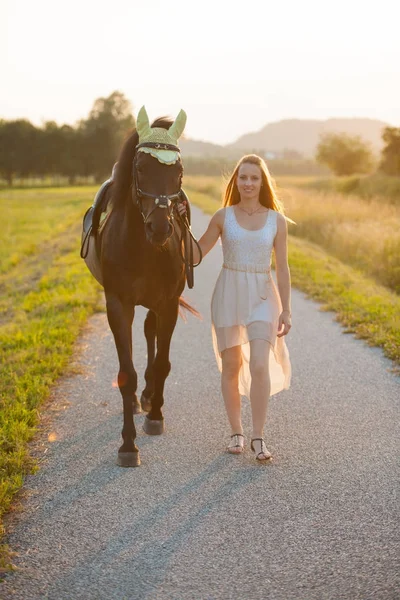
249, 181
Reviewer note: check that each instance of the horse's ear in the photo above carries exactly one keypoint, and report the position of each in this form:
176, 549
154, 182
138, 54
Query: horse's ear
178, 125
143, 123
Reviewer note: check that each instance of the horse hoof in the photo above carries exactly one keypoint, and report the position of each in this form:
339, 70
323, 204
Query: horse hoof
128, 459
153, 427
137, 409
146, 403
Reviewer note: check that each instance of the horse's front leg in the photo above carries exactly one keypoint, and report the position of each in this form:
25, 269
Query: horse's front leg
120, 316
166, 321
150, 327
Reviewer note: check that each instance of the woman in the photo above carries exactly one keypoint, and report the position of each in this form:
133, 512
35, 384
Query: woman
249, 317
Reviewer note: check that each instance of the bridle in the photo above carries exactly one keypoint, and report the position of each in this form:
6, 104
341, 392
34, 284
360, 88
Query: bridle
168, 202
160, 200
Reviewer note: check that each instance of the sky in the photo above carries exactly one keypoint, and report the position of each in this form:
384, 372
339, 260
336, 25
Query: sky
233, 66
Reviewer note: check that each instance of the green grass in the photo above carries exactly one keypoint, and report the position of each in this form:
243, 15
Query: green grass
365, 308
32, 217
46, 296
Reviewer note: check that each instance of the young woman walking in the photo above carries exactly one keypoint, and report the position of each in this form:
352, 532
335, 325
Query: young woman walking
250, 316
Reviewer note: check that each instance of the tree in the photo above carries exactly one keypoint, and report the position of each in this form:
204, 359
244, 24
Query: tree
48, 149
71, 158
18, 149
104, 131
344, 154
390, 161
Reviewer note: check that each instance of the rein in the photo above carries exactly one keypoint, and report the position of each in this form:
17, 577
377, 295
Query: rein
187, 237
168, 202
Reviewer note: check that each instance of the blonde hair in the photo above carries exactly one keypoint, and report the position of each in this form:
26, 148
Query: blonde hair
268, 196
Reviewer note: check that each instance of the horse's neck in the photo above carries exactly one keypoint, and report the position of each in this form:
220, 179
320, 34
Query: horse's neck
132, 216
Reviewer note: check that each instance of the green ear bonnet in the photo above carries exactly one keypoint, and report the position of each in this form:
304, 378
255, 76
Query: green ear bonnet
159, 135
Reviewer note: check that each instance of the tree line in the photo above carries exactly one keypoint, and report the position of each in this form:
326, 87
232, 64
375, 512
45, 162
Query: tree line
89, 149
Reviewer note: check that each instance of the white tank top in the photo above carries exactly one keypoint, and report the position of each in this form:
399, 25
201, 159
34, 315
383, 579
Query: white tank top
246, 250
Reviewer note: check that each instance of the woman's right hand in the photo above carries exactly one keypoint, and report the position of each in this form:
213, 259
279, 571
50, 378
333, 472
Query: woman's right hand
285, 323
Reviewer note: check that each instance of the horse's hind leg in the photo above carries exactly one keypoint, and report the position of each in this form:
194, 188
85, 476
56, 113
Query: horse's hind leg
120, 317
150, 326
154, 421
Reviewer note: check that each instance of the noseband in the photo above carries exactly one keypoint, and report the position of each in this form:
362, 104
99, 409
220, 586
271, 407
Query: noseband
160, 200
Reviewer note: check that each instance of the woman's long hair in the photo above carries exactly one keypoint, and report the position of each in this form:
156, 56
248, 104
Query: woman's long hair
268, 196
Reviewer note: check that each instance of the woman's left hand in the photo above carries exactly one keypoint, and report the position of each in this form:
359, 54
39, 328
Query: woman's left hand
285, 323
182, 209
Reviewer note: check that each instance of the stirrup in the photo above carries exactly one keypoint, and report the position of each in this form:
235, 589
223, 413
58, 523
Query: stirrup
231, 449
266, 453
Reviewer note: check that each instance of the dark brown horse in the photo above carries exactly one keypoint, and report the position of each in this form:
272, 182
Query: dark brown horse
140, 254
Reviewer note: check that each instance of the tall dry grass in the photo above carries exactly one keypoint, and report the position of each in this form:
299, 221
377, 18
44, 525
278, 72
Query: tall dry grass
211, 185
363, 234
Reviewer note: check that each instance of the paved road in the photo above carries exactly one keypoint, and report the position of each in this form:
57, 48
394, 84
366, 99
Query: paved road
195, 523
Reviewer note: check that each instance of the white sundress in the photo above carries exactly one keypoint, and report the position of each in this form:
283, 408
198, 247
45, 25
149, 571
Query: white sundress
245, 304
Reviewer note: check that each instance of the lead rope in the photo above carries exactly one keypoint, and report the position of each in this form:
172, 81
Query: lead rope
188, 246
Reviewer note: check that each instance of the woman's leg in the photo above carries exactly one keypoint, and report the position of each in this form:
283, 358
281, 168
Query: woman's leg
260, 385
231, 361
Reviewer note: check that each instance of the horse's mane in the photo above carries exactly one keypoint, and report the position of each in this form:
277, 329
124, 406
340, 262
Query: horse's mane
123, 174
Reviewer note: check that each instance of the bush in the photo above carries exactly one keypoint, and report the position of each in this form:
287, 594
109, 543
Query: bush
345, 154
390, 162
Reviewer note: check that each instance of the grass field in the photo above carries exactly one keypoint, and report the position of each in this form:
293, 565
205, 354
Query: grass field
46, 295
365, 235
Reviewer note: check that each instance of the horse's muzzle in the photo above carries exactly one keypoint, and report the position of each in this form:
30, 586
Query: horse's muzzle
158, 237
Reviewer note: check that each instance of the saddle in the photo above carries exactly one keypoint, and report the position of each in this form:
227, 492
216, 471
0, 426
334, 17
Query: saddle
94, 220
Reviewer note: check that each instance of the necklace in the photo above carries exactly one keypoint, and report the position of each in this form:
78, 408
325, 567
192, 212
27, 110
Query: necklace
253, 212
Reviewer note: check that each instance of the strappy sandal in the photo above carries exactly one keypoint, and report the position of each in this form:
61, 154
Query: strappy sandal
237, 447
266, 453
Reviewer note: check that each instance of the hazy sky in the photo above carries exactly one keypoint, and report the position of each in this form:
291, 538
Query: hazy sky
233, 66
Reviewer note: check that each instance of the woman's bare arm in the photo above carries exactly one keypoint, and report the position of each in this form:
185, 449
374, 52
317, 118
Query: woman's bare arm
283, 275
210, 236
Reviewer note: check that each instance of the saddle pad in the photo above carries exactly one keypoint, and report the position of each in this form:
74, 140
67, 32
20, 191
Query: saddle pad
104, 217
92, 260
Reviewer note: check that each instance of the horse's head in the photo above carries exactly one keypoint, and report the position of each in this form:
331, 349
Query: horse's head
158, 186
157, 173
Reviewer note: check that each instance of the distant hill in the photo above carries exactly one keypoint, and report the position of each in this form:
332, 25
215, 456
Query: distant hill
300, 135
197, 148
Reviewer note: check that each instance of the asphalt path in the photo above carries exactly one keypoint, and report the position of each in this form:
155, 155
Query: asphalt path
320, 522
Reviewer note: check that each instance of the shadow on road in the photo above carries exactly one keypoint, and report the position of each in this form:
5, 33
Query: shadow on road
137, 550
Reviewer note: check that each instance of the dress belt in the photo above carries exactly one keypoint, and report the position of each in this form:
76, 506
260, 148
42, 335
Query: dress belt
247, 268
